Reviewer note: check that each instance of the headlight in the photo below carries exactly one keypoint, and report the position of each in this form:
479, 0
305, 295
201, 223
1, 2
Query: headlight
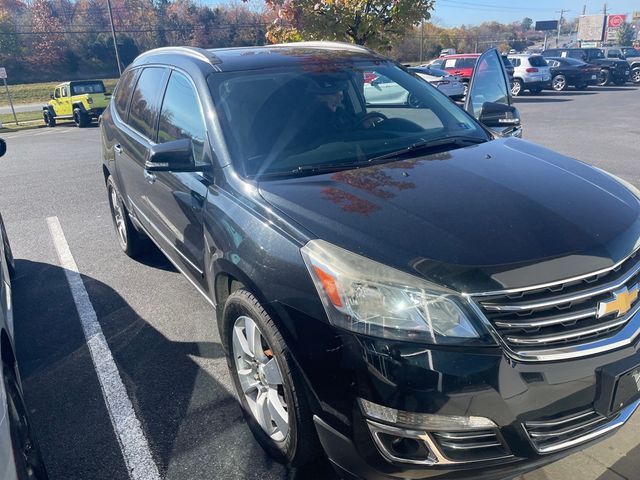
370, 298
89, 100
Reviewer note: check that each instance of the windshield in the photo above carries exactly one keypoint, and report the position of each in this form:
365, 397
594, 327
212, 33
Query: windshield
80, 88
434, 72
296, 118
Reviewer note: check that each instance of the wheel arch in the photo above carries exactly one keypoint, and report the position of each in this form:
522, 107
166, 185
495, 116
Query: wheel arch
6, 350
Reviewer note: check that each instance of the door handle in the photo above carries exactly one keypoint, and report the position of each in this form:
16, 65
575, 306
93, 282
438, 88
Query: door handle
117, 148
150, 176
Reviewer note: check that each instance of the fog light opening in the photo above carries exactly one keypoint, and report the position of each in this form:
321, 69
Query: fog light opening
404, 448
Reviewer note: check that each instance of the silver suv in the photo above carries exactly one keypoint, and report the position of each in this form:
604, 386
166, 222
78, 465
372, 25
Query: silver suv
531, 73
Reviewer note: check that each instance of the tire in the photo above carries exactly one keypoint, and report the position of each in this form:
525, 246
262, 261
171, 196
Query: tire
604, 77
635, 75
466, 89
132, 242
559, 83
28, 459
299, 446
517, 88
81, 119
49, 120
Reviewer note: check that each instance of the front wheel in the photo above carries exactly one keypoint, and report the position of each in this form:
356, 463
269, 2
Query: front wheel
272, 394
517, 88
635, 75
559, 83
604, 77
49, 120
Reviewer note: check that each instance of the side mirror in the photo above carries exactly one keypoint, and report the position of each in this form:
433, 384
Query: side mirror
175, 156
499, 115
51, 96
3, 147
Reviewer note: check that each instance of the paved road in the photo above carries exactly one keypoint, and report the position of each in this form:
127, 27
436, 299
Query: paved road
161, 331
27, 107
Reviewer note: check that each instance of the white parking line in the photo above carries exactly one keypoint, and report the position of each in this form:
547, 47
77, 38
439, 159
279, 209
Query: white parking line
133, 443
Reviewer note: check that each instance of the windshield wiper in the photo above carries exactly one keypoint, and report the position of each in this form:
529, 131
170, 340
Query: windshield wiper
458, 141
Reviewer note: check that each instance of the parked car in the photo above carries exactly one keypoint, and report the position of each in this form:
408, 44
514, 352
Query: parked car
612, 70
632, 55
450, 85
20, 457
380, 90
570, 72
531, 72
508, 66
461, 65
394, 285
81, 101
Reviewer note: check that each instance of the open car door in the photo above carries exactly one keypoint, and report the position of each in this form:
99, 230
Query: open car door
489, 98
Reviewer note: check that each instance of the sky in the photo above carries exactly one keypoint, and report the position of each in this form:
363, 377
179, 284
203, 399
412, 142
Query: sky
453, 13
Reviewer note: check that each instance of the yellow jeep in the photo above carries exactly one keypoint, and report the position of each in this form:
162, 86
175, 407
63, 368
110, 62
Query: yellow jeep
81, 101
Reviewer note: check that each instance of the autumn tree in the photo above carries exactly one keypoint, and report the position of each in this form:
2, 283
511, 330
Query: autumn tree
375, 23
626, 34
47, 41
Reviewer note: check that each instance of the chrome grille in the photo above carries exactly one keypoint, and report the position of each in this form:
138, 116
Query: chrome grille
562, 314
550, 435
471, 446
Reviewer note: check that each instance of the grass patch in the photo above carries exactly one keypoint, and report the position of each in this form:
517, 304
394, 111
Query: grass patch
7, 118
38, 92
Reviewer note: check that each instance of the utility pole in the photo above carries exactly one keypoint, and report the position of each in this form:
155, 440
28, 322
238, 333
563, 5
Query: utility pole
561, 12
584, 10
421, 40
604, 10
113, 34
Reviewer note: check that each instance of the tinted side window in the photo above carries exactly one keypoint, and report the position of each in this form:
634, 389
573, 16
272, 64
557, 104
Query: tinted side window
181, 116
123, 93
537, 61
515, 62
467, 63
144, 103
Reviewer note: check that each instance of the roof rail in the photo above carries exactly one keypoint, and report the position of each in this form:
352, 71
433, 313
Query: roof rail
325, 44
195, 52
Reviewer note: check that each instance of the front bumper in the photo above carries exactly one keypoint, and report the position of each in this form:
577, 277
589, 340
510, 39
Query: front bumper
523, 399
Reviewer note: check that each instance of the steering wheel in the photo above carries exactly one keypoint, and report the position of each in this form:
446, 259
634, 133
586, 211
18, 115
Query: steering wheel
374, 118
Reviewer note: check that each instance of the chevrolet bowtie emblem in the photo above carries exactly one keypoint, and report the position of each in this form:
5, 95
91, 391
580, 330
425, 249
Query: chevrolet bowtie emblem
620, 303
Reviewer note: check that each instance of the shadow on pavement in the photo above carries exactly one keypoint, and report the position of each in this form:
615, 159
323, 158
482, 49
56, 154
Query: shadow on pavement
193, 423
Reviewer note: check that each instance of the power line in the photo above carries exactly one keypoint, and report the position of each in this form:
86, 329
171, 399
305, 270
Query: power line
490, 6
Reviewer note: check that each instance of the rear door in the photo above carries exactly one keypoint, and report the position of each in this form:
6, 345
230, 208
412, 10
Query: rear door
489, 86
177, 198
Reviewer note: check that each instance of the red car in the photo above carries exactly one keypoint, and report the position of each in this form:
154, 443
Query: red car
460, 64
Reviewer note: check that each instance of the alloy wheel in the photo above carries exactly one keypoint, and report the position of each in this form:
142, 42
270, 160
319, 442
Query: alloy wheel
559, 83
516, 88
635, 77
117, 211
260, 378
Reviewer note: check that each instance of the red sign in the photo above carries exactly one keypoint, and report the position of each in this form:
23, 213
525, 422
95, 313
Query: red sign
616, 21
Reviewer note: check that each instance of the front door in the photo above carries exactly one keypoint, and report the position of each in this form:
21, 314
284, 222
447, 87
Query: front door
176, 199
489, 90
65, 102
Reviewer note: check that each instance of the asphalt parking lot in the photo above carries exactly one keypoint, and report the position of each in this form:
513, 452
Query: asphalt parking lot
162, 333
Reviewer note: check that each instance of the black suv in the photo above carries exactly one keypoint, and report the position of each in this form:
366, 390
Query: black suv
392, 281
612, 70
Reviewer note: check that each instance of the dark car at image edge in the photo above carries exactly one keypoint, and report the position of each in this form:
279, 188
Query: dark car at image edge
415, 293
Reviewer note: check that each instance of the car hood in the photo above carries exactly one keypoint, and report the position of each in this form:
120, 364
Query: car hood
503, 214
